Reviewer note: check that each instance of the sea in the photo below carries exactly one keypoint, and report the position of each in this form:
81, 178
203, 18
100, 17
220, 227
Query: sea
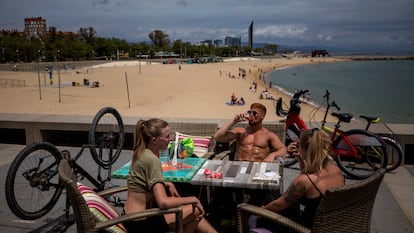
383, 88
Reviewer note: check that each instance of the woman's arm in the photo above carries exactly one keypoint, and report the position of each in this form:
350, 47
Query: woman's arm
293, 149
165, 202
171, 188
292, 195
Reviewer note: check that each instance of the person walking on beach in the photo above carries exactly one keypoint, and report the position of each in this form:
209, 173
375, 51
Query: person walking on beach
51, 76
255, 142
147, 188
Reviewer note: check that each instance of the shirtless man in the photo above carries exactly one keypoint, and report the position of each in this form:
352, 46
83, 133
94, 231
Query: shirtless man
254, 143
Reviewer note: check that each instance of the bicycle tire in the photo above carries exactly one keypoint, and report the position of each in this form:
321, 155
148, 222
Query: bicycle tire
394, 153
371, 150
32, 183
106, 137
292, 134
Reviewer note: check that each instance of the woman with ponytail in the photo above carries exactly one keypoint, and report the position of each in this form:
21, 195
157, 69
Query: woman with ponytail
147, 188
318, 173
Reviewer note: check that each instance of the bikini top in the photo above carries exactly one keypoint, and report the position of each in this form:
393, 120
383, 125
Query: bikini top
310, 204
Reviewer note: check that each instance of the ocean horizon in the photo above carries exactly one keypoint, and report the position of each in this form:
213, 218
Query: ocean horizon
375, 88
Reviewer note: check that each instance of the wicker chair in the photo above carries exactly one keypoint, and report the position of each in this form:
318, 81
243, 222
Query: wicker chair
84, 218
344, 209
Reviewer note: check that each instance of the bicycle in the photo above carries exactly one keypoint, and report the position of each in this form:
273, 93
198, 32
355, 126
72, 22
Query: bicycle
35, 168
358, 152
294, 123
393, 148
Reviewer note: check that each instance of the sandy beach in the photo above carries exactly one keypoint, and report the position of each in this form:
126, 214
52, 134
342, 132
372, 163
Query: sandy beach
155, 90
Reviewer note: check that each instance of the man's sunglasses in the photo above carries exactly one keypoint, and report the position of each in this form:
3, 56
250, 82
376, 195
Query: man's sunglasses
254, 113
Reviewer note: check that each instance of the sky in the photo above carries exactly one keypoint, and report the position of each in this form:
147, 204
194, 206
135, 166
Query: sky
380, 26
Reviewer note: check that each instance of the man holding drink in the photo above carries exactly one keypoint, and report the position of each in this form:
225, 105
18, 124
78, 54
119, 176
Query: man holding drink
254, 143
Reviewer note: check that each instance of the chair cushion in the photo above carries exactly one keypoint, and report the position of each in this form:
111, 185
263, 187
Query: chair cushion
100, 208
201, 143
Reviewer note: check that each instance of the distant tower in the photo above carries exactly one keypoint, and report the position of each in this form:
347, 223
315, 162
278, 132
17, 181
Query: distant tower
35, 26
251, 35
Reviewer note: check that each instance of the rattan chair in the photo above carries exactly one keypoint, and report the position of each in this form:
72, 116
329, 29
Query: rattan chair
85, 220
344, 209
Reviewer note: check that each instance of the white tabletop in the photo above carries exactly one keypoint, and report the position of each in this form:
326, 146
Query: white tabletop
239, 174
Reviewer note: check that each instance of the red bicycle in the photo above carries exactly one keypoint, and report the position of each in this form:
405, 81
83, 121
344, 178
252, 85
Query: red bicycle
294, 123
358, 152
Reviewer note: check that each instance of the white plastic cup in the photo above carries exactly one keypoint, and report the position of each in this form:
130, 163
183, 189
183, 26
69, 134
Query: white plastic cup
164, 156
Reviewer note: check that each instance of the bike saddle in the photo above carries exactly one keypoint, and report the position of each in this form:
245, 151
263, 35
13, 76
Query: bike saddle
345, 117
370, 119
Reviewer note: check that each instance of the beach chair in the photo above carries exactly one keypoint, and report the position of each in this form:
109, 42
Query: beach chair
343, 209
94, 214
201, 133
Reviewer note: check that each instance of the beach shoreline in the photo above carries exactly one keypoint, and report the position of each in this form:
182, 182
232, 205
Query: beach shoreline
136, 88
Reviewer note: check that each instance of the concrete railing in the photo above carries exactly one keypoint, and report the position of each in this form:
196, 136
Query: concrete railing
73, 130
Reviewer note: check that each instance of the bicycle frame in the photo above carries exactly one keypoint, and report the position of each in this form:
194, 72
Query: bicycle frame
336, 132
354, 152
37, 164
99, 183
342, 152
355, 146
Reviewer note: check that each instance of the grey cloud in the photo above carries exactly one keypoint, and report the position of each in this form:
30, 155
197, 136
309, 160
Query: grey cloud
294, 22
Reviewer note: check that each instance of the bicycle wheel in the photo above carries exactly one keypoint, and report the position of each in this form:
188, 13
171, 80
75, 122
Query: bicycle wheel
371, 153
32, 183
106, 137
292, 135
394, 153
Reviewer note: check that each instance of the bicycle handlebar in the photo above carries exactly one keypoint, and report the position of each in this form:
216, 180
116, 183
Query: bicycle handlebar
296, 97
299, 93
333, 104
326, 94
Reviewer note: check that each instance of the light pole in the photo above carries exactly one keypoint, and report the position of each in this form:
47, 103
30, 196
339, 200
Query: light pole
38, 73
93, 58
17, 54
139, 61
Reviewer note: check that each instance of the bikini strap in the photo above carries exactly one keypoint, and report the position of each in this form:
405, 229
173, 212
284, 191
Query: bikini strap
314, 185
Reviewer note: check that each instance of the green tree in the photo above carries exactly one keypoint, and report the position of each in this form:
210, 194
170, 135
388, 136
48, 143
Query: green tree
178, 47
159, 38
87, 35
103, 48
270, 48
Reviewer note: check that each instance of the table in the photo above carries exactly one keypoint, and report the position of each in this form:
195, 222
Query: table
184, 174
241, 174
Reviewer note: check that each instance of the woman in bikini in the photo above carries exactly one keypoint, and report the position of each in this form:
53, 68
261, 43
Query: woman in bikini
318, 173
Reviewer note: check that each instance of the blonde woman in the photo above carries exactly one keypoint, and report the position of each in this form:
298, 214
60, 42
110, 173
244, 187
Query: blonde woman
147, 189
318, 173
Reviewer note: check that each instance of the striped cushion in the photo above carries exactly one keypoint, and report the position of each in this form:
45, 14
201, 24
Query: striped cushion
201, 143
100, 208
